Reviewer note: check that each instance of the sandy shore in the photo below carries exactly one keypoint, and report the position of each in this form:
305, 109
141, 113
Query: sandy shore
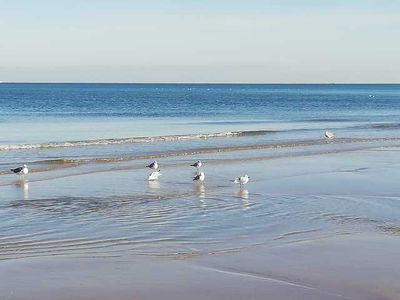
346, 267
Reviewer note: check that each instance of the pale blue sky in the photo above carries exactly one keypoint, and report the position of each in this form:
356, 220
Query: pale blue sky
200, 41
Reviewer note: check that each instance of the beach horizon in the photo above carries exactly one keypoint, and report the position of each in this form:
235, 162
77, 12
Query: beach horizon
203, 150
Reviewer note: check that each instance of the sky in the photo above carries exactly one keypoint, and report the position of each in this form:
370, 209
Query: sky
254, 41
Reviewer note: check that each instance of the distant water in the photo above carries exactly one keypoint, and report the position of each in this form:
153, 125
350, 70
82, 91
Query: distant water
59, 116
87, 145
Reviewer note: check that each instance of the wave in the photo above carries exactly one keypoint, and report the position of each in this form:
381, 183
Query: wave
322, 120
228, 122
383, 126
182, 137
132, 140
271, 121
386, 126
368, 143
206, 150
334, 146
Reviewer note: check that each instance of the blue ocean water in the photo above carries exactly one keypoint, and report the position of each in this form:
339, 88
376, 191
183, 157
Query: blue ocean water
145, 109
111, 117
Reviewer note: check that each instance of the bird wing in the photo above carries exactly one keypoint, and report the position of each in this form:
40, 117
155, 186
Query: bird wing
197, 177
17, 170
329, 134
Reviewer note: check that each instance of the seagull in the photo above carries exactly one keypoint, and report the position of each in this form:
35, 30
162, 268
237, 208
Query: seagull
242, 180
199, 177
153, 165
21, 171
197, 164
329, 134
155, 175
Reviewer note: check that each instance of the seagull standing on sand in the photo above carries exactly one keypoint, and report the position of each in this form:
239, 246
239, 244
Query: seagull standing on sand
197, 164
199, 177
155, 175
153, 165
21, 171
329, 134
242, 180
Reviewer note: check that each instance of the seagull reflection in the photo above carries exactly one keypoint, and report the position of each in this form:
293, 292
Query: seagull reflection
201, 190
154, 184
24, 185
244, 194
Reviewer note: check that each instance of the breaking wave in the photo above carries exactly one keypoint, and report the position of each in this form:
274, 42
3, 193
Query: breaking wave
132, 140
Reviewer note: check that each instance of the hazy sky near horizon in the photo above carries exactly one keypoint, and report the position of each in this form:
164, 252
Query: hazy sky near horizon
200, 41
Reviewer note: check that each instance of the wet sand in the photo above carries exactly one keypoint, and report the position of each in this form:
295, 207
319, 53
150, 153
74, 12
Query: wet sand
306, 227
343, 267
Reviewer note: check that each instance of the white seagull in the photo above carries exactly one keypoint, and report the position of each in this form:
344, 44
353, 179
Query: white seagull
329, 134
197, 164
21, 171
153, 165
199, 177
242, 180
155, 175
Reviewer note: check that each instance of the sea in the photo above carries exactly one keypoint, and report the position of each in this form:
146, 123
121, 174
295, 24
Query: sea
87, 146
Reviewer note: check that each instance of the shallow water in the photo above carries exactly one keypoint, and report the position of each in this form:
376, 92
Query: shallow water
114, 213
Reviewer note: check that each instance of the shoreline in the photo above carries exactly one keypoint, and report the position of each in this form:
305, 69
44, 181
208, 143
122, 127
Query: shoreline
304, 148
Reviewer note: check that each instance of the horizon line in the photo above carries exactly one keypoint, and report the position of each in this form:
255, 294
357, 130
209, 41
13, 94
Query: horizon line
189, 82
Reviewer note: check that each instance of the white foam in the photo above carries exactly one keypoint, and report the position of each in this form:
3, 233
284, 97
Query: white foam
102, 142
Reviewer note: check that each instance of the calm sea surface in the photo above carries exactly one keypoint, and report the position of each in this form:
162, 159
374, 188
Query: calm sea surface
63, 116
